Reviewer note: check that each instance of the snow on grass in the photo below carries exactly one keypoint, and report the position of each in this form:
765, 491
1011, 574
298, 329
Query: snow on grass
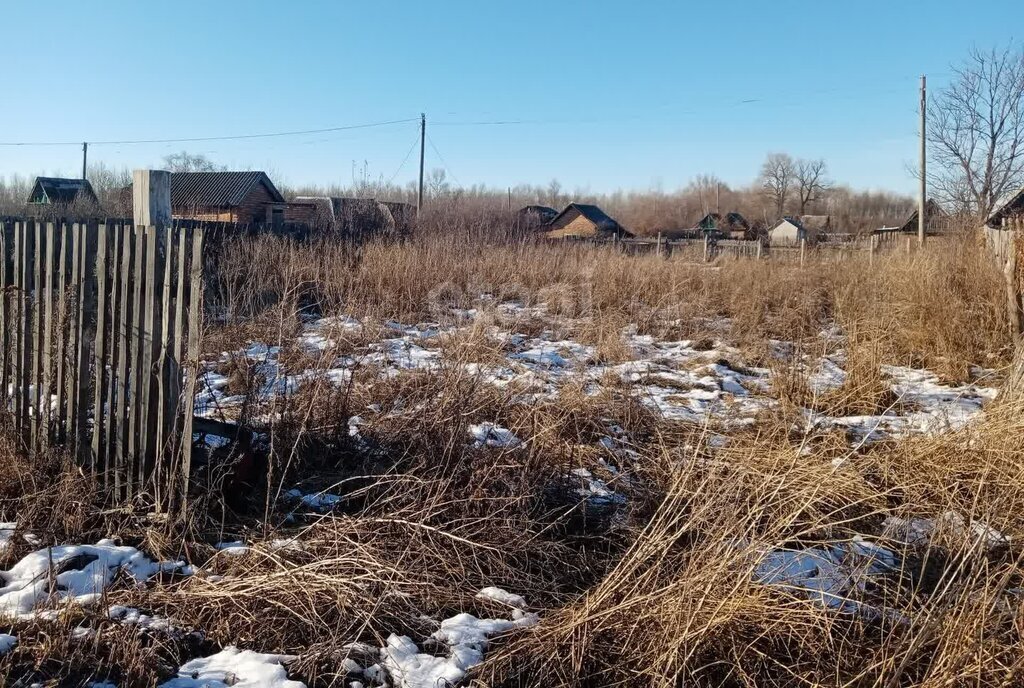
491, 435
595, 490
236, 668
78, 572
502, 597
319, 501
918, 532
6, 534
466, 638
130, 616
236, 548
829, 574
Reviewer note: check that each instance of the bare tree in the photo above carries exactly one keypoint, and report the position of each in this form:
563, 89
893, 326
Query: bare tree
188, 162
976, 132
778, 174
811, 182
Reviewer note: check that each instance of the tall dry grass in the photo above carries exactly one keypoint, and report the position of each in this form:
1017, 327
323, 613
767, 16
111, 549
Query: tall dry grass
658, 591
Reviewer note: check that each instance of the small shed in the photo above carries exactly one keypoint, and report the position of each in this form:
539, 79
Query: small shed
57, 191
791, 230
238, 197
582, 220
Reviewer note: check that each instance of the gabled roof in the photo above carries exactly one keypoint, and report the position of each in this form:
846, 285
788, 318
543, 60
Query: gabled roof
57, 190
730, 221
1013, 206
217, 189
592, 213
931, 210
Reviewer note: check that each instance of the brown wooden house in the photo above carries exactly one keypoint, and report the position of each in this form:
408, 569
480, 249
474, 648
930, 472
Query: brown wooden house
582, 220
935, 219
237, 197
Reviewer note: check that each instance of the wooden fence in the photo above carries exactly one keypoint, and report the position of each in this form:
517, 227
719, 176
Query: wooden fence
97, 323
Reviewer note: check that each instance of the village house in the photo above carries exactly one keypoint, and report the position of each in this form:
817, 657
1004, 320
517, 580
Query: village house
582, 220
236, 197
729, 226
935, 219
55, 194
792, 230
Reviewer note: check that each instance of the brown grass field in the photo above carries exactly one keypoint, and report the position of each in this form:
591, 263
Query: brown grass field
661, 585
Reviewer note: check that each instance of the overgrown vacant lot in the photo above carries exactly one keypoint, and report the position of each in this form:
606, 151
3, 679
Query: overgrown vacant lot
542, 466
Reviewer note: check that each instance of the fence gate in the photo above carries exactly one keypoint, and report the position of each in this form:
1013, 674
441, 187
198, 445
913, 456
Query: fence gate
99, 333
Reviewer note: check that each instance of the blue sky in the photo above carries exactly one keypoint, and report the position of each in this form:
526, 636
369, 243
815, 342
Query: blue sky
610, 95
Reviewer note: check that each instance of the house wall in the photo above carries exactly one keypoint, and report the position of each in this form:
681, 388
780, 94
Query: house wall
252, 210
577, 226
785, 234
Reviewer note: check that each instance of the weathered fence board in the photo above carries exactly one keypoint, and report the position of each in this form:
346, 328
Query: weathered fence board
100, 339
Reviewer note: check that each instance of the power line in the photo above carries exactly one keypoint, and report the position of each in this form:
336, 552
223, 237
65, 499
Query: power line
441, 158
198, 139
405, 159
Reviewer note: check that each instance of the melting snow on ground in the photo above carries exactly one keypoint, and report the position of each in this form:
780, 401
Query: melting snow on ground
491, 435
77, 572
236, 668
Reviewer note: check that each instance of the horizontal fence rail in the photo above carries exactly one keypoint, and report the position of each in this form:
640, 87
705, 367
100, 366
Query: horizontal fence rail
99, 329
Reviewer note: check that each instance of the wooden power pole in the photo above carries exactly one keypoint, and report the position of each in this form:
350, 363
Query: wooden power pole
85, 155
423, 143
922, 200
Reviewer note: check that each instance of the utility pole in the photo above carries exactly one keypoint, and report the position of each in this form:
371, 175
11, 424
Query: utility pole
85, 155
510, 199
922, 200
718, 197
423, 150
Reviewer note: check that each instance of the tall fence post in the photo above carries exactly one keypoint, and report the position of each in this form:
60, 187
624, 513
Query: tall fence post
803, 250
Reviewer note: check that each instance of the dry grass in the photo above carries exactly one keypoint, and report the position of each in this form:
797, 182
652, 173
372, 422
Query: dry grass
658, 591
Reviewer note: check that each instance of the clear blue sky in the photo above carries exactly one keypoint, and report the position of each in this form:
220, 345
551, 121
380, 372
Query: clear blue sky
613, 95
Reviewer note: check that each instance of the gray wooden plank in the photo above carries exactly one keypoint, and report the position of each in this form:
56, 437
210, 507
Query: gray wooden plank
167, 402
27, 243
63, 310
124, 368
88, 236
151, 337
6, 286
38, 315
135, 417
47, 312
195, 323
99, 398
112, 427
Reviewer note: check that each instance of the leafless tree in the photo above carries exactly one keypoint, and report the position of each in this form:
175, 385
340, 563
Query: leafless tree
189, 162
811, 181
778, 174
976, 132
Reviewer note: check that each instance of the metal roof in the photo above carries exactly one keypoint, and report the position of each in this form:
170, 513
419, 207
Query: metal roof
1013, 206
217, 189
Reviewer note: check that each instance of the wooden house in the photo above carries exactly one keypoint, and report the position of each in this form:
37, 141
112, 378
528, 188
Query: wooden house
729, 226
934, 219
58, 195
582, 220
237, 197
